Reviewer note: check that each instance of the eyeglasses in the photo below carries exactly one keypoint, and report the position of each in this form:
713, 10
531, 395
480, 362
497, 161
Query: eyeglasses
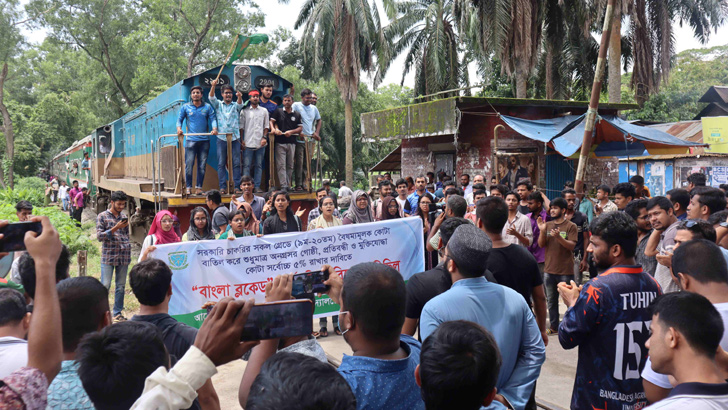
200, 219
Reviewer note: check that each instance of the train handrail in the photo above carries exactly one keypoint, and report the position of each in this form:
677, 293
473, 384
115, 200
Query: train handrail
157, 171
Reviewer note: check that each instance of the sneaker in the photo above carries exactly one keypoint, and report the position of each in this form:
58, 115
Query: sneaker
189, 191
199, 191
298, 189
551, 332
223, 192
119, 318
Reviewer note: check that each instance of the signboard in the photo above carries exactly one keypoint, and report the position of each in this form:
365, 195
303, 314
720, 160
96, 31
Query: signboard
265, 81
207, 79
211, 270
715, 133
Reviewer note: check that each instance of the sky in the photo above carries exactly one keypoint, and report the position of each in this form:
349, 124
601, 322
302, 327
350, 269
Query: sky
684, 39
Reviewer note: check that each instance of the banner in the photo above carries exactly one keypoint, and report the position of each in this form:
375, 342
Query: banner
715, 133
211, 270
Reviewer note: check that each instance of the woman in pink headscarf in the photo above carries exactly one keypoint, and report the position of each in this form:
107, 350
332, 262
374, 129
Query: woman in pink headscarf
161, 232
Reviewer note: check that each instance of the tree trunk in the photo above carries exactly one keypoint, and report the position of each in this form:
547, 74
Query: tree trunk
349, 137
615, 56
7, 130
521, 83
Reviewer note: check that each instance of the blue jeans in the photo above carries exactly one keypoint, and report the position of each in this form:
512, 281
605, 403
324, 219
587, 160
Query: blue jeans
199, 150
259, 155
65, 204
222, 171
107, 271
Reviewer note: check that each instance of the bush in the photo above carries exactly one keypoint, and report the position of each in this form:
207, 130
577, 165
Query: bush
71, 235
13, 196
31, 183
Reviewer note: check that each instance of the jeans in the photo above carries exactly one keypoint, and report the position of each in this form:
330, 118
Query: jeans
284, 163
222, 171
334, 319
552, 296
199, 150
107, 271
259, 155
65, 204
300, 164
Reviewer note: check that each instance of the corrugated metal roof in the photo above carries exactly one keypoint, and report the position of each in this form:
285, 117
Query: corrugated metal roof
685, 130
392, 162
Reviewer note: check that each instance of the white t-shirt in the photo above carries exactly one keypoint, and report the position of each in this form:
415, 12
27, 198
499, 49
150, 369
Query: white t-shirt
401, 203
695, 396
661, 380
345, 191
13, 355
63, 192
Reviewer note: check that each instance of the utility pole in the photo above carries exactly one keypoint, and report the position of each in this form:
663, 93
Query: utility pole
591, 114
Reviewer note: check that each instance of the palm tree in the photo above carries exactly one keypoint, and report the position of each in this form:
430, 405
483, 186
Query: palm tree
341, 37
427, 29
652, 40
509, 30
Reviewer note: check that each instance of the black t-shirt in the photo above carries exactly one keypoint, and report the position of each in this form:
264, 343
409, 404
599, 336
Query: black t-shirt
582, 225
178, 337
285, 122
524, 209
426, 285
515, 267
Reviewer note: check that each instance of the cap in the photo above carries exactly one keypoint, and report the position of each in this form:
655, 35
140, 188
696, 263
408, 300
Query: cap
252, 93
469, 248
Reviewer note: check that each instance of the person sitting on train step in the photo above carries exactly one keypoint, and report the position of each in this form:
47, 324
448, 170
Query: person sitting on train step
286, 124
255, 123
309, 117
266, 92
198, 113
228, 121
255, 202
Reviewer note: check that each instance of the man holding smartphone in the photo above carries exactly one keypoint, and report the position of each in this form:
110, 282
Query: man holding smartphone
112, 229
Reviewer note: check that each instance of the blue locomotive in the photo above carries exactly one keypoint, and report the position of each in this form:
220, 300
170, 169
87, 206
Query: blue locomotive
141, 154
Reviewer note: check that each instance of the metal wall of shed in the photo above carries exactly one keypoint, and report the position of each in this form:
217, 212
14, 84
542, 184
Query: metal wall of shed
558, 171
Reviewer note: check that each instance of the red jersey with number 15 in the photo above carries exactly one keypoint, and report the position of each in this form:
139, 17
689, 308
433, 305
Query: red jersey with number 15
610, 322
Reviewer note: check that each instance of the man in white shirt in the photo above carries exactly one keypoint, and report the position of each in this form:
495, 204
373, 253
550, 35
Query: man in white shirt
404, 205
698, 267
517, 229
686, 332
311, 120
478, 179
255, 123
467, 186
63, 195
344, 190
14, 324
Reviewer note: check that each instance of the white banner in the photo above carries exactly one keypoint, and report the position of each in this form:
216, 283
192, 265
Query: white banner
211, 270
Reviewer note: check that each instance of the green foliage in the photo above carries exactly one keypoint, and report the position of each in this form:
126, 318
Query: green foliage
693, 73
31, 183
13, 196
71, 235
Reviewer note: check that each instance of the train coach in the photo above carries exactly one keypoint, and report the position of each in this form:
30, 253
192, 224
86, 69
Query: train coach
141, 154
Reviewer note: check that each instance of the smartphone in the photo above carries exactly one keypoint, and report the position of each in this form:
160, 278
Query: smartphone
14, 239
308, 283
279, 319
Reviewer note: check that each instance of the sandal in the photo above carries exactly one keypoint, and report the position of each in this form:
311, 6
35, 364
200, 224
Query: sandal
552, 332
323, 332
315, 334
337, 330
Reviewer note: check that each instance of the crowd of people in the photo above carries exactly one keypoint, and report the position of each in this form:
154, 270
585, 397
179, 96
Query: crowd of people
644, 281
287, 128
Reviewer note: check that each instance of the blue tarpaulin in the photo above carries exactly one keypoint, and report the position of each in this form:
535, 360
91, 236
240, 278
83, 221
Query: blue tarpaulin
613, 136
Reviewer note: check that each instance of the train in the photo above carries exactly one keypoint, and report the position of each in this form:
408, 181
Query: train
141, 154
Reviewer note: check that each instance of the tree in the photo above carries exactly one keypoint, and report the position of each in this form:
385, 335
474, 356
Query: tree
508, 30
426, 30
652, 39
342, 37
10, 40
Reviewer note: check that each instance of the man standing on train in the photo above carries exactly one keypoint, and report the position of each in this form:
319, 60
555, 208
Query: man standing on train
198, 114
228, 121
311, 120
266, 92
255, 123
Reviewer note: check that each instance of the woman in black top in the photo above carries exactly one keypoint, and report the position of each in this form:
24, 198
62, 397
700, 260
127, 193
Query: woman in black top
428, 219
283, 220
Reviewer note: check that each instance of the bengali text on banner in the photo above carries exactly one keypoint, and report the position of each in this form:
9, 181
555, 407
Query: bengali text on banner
211, 270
